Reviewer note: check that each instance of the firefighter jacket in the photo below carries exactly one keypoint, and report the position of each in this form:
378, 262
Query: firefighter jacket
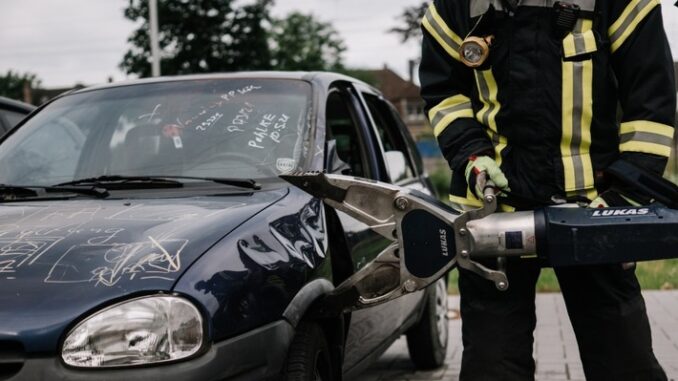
546, 102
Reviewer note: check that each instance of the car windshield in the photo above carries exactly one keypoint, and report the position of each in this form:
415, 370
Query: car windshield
217, 128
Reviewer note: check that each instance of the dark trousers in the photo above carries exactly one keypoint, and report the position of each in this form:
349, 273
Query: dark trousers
605, 307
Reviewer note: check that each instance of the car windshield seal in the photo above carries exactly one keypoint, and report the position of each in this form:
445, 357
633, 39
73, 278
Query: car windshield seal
11, 192
160, 181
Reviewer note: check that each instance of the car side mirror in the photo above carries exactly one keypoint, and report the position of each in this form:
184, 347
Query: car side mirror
333, 163
396, 165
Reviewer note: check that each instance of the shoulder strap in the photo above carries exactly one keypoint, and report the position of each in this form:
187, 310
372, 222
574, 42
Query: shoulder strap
584, 5
480, 7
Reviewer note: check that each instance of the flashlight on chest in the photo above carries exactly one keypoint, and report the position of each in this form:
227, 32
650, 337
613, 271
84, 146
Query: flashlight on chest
474, 51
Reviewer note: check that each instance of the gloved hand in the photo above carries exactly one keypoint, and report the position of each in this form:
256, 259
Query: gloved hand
611, 198
478, 164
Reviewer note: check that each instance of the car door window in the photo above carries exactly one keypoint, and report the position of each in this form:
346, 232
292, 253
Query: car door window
4, 124
390, 135
342, 126
409, 141
13, 117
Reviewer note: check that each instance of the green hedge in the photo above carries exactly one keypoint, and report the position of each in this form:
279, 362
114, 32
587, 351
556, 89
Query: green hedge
440, 178
657, 275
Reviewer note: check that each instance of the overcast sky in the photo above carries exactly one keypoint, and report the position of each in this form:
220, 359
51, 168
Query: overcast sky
82, 41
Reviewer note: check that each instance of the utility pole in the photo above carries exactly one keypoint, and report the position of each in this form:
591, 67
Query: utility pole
155, 47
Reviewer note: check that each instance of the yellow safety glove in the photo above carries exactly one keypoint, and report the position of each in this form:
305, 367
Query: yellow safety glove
611, 198
479, 164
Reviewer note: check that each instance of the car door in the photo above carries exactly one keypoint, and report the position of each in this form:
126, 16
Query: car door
393, 137
10, 118
350, 128
4, 124
403, 167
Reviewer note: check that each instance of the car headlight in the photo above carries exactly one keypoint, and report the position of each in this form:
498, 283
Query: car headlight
140, 331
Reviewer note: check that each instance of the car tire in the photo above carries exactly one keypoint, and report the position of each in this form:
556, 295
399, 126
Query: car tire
309, 357
427, 340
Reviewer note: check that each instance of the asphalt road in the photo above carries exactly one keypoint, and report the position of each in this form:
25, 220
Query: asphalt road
556, 352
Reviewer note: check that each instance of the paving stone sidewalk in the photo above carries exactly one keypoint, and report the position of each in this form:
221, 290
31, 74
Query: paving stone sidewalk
556, 350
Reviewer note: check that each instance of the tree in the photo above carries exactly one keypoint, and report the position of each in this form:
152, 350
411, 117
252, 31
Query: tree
411, 21
299, 42
200, 36
12, 84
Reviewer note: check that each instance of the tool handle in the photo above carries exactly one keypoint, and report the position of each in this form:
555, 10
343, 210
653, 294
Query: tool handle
488, 186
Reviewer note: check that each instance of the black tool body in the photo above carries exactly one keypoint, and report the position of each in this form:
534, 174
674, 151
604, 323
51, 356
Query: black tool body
573, 236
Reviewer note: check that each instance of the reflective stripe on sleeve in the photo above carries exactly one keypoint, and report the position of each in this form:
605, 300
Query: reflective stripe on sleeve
577, 99
631, 17
449, 110
646, 136
437, 27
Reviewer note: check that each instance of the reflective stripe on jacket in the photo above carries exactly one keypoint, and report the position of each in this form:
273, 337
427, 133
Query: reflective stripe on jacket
545, 104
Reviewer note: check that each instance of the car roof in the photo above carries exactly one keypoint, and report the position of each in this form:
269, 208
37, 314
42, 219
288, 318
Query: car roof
21, 107
323, 79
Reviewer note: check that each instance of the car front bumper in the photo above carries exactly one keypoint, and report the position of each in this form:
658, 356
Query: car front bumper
256, 355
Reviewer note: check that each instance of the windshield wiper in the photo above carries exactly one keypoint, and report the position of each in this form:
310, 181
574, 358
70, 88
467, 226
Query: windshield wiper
242, 183
125, 182
11, 192
158, 181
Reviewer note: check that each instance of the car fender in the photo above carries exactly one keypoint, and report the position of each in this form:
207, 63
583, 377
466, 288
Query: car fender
303, 300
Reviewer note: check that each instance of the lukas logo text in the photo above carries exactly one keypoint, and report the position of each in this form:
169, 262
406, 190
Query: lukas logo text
621, 212
443, 242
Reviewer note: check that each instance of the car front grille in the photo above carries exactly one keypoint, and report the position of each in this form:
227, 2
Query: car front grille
12, 357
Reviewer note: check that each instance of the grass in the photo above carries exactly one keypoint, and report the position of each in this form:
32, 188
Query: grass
657, 275
662, 275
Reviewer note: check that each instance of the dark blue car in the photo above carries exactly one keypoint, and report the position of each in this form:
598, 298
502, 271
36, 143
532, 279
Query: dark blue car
12, 112
145, 233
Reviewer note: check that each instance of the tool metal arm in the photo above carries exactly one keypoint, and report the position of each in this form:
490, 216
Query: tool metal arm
429, 238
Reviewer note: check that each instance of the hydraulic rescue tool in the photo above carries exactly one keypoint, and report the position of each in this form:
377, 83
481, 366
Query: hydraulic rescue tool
429, 238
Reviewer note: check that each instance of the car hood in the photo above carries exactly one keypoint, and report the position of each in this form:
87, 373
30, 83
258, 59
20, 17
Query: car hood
62, 259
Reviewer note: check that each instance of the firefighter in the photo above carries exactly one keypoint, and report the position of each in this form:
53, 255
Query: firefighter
540, 96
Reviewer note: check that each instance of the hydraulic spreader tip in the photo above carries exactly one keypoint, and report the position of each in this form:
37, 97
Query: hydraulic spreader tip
428, 237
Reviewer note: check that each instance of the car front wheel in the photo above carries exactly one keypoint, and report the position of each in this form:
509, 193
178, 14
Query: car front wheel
309, 357
427, 340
